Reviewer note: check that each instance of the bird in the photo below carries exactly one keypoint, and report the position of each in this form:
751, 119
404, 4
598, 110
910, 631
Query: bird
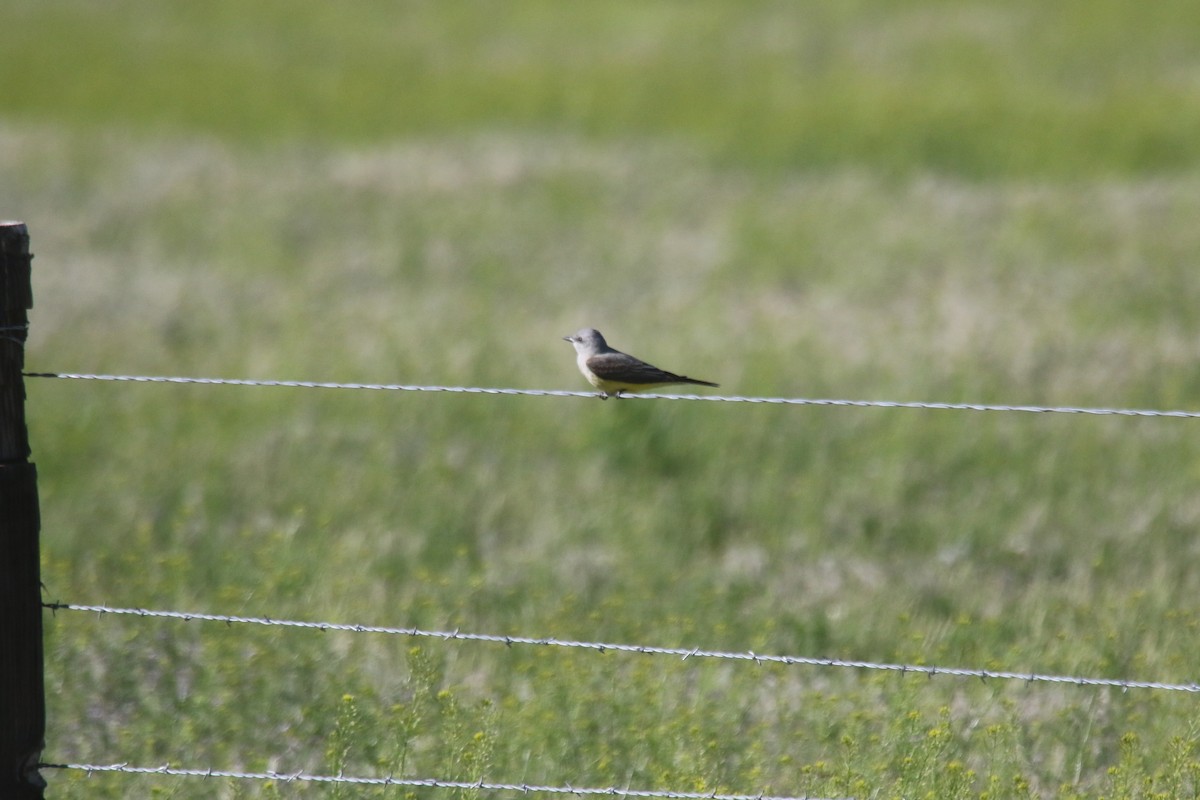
614, 372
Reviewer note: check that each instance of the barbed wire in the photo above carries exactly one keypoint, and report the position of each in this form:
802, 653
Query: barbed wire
435, 783
792, 401
603, 647
15, 333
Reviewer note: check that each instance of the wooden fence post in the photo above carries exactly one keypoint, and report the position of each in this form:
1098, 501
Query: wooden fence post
22, 694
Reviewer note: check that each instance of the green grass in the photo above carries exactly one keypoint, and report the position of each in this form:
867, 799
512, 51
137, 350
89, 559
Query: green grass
979, 89
211, 192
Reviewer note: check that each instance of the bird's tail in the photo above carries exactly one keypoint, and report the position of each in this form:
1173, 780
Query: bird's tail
686, 379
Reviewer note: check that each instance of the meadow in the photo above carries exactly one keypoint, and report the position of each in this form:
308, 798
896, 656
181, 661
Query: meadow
910, 200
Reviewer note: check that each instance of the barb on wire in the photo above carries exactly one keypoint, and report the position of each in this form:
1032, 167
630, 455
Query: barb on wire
683, 653
435, 783
791, 401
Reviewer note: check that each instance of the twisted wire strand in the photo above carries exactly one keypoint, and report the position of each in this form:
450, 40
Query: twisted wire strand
795, 401
680, 652
437, 783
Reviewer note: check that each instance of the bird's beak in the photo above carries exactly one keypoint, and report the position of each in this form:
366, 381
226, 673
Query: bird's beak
568, 338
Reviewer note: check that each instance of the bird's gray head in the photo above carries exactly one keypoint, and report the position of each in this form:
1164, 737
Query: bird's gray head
587, 340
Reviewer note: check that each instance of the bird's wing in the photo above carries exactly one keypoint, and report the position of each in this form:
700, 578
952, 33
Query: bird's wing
621, 368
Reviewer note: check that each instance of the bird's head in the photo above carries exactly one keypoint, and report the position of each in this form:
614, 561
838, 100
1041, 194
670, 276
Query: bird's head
587, 340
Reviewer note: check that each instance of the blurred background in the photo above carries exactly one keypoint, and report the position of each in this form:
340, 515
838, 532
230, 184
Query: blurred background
911, 200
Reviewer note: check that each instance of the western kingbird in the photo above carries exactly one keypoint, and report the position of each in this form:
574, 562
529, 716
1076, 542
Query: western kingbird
613, 372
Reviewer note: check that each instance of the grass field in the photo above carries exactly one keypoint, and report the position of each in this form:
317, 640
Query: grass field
936, 201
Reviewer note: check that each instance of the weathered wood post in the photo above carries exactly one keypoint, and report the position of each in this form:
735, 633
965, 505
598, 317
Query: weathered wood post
22, 694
